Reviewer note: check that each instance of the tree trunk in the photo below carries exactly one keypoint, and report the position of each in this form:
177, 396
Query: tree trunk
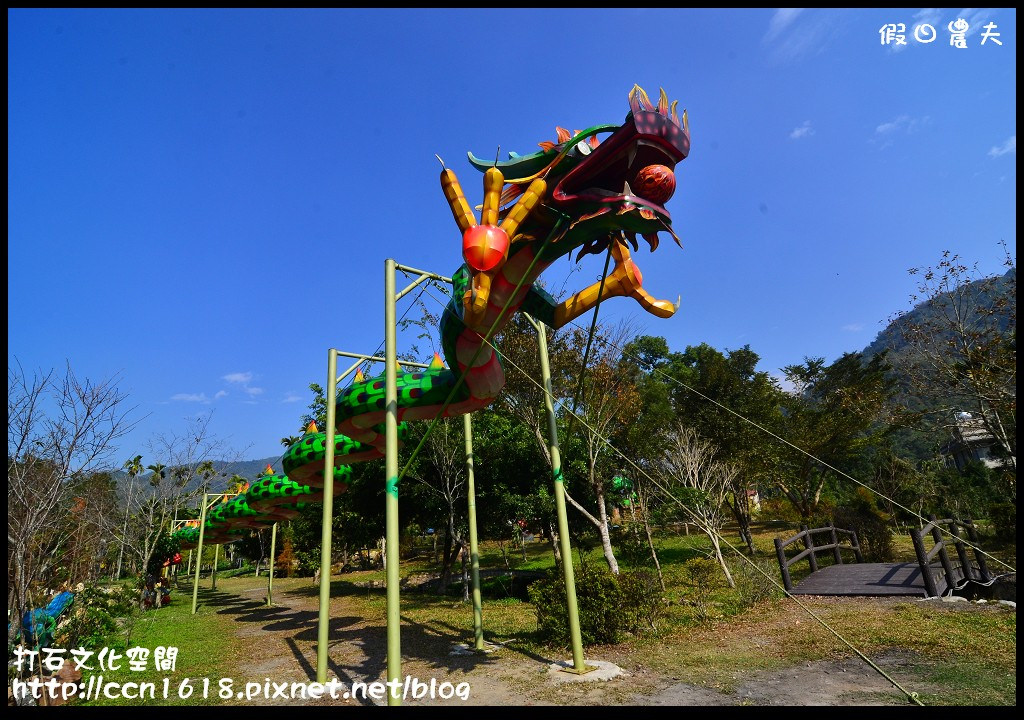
606, 540
650, 544
553, 537
449, 556
741, 511
721, 560
465, 572
600, 523
504, 553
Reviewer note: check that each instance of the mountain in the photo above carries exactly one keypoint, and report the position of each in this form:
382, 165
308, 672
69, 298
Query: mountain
983, 295
249, 469
989, 305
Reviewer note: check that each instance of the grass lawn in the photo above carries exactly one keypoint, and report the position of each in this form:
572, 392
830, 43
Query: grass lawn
711, 635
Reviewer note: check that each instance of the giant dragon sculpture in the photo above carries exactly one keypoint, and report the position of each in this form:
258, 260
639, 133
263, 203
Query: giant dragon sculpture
577, 193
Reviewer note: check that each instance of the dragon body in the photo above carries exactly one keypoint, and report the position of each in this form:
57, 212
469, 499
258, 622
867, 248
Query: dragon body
579, 194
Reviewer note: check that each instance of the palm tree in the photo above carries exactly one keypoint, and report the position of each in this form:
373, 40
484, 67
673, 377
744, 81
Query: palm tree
290, 440
236, 483
134, 468
159, 472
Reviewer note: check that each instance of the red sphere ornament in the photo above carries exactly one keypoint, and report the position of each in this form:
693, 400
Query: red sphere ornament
655, 183
484, 247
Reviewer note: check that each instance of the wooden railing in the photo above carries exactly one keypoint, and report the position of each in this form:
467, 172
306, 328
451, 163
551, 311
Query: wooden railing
968, 570
811, 548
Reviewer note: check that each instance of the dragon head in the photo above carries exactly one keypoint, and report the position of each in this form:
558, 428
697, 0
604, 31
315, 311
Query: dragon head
579, 192
609, 189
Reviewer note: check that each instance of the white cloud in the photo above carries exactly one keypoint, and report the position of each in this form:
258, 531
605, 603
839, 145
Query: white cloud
220, 394
802, 131
191, 397
893, 125
239, 377
782, 19
1010, 146
853, 327
931, 16
254, 390
793, 34
290, 398
902, 124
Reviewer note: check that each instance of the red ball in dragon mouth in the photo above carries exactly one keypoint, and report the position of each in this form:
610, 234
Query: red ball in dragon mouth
655, 183
484, 247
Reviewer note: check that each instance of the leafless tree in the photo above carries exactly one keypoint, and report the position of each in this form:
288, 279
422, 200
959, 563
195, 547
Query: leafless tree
700, 482
608, 403
59, 428
185, 470
441, 469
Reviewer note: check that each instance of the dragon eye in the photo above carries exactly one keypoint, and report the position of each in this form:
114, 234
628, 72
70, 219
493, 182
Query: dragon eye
656, 183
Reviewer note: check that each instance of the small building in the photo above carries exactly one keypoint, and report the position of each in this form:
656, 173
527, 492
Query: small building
753, 500
971, 442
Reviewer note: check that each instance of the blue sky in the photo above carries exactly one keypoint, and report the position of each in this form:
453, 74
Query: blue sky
203, 200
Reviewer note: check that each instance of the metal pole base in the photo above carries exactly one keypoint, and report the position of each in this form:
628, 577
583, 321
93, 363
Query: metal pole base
573, 671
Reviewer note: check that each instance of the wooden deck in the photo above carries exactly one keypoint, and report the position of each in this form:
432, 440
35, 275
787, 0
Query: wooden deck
870, 579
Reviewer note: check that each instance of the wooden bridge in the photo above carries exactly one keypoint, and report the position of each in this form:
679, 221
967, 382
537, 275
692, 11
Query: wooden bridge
928, 577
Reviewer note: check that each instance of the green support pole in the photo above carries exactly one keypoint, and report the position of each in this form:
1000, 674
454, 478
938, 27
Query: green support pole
578, 664
394, 651
323, 631
270, 582
213, 571
199, 555
478, 612
189, 571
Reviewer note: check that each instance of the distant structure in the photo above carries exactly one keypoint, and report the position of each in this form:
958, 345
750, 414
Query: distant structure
971, 442
754, 499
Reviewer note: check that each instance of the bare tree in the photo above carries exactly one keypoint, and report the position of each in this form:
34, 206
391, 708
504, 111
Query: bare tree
522, 398
185, 470
59, 427
442, 470
609, 402
700, 482
642, 492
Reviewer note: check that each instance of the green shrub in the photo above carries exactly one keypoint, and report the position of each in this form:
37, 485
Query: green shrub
97, 615
631, 545
643, 601
779, 509
1004, 520
754, 582
166, 547
309, 563
702, 573
609, 606
871, 523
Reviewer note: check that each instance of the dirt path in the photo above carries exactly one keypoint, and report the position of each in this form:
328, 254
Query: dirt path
283, 642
